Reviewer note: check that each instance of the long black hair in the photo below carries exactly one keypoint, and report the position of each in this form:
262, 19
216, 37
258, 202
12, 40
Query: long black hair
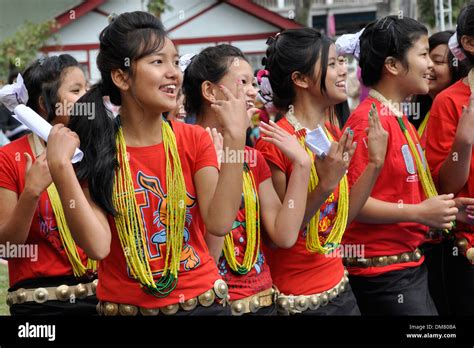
210, 65
43, 79
295, 50
388, 36
130, 36
457, 70
465, 26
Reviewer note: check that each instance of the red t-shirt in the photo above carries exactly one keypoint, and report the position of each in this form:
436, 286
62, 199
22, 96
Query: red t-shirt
51, 260
296, 270
397, 182
441, 130
198, 271
258, 278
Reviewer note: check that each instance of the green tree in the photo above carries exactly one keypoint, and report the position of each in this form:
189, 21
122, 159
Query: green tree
23, 46
426, 10
302, 10
157, 7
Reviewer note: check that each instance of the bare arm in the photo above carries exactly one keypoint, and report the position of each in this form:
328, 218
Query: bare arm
361, 190
283, 221
87, 222
454, 172
219, 194
215, 245
377, 150
436, 212
16, 213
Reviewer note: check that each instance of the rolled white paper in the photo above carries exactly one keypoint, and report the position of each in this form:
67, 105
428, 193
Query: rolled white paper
39, 126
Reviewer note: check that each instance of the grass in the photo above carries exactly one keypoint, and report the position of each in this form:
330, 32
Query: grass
3, 289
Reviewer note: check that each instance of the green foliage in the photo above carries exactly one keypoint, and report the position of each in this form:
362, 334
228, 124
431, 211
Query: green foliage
23, 46
157, 7
426, 10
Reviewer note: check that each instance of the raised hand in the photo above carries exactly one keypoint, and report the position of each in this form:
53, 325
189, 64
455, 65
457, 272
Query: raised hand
232, 112
287, 143
218, 141
377, 138
334, 166
37, 177
62, 142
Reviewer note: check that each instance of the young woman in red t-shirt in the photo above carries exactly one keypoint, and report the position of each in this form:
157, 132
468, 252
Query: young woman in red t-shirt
149, 185
445, 71
449, 152
307, 79
240, 259
391, 279
58, 279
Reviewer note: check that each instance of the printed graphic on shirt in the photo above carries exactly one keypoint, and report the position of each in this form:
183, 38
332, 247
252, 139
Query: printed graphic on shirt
410, 163
47, 224
151, 200
224, 268
327, 216
238, 231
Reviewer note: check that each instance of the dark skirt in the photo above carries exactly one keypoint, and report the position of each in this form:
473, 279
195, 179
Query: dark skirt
396, 293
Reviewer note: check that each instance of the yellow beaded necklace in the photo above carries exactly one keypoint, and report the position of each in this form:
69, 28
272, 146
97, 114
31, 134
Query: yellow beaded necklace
424, 123
423, 171
313, 243
252, 228
64, 233
129, 223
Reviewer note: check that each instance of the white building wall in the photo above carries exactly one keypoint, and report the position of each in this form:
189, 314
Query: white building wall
223, 20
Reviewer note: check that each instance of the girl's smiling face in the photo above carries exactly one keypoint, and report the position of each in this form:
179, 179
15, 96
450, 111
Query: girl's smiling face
157, 79
336, 75
240, 71
415, 78
73, 85
440, 75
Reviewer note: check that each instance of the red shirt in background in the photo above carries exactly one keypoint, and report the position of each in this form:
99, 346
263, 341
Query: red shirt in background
198, 270
51, 260
397, 182
259, 277
295, 270
441, 130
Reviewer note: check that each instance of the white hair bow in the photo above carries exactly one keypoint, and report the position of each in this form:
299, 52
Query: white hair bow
185, 60
349, 44
453, 45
